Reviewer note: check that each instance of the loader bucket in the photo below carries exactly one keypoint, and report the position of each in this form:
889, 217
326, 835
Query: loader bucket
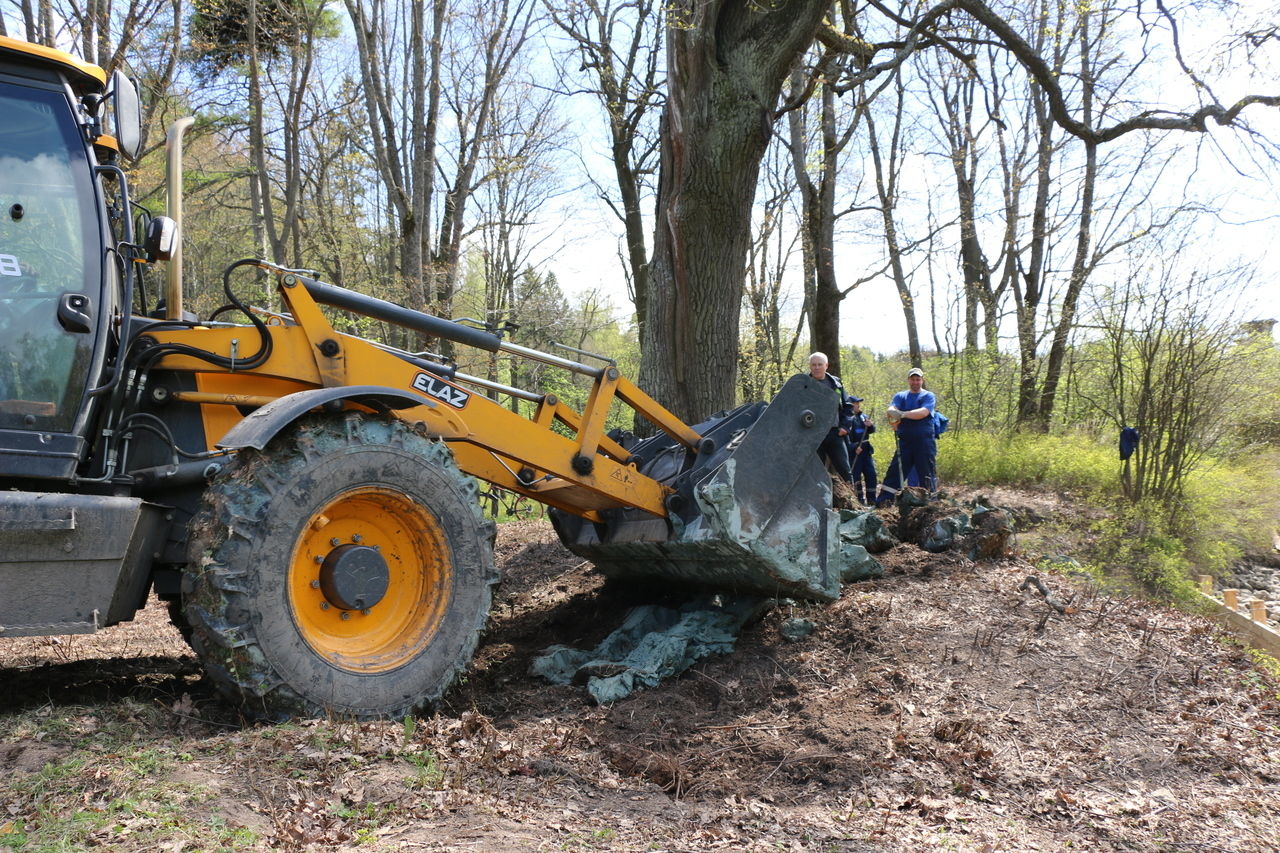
750, 512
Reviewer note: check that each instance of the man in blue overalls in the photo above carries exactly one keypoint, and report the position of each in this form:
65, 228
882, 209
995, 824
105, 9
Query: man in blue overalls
833, 447
911, 414
861, 453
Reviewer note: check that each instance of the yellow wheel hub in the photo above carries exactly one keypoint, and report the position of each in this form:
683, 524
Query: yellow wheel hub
370, 580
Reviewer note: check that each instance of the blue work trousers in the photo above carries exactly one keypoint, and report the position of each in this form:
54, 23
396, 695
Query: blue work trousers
920, 452
864, 475
835, 449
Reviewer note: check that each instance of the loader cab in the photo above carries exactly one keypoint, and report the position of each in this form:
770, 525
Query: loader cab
60, 279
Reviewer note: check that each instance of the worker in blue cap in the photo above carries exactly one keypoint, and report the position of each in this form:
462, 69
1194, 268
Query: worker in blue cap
911, 416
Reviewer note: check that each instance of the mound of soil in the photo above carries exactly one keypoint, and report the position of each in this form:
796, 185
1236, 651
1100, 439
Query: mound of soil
936, 708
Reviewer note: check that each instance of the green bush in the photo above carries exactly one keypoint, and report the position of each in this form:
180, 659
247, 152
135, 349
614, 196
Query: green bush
1227, 508
1064, 462
1230, 506
1136, 543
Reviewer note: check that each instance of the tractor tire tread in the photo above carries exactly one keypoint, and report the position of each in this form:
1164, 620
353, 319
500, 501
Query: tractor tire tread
218, 589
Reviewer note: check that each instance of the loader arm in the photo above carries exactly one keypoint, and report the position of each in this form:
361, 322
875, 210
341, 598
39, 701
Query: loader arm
583, 474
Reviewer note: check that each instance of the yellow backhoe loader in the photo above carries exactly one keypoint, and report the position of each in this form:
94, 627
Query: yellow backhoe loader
304, 499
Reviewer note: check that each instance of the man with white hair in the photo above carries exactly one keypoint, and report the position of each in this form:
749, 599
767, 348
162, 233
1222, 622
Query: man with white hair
834, 448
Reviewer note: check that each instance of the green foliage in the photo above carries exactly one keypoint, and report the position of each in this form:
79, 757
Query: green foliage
760, 372
538, 315
1137, 542
1063, 462
974, 390
1169, 355
1268, 668
1230, 506
1261, 427
219, 34
980, 389
1227, 507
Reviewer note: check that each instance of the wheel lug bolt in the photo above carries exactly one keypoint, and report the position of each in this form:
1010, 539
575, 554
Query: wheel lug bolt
315, 584
364, 612
346, 614
324, 605
357, 539
335, 541
318, 559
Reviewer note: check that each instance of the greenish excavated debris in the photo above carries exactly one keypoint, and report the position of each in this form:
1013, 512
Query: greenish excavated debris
652, 643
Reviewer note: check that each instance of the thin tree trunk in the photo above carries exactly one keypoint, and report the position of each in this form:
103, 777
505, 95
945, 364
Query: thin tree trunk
1080, 266
825, 317
809, 207
886, 190
257, 140
1032, 277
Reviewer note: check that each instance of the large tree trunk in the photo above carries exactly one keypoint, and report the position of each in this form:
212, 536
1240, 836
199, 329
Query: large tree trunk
726, 61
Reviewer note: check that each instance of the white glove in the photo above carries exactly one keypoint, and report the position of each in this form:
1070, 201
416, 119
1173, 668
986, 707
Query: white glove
894, 415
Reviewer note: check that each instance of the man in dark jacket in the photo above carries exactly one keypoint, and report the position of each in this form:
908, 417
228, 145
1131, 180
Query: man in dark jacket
861, 453
834, 448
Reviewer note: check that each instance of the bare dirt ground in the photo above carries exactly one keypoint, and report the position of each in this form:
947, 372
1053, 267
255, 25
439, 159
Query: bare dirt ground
938, 708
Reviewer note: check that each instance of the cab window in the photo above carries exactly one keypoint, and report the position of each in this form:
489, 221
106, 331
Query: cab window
47, 236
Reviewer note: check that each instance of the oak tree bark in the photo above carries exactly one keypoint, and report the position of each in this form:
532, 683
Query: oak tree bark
726, 62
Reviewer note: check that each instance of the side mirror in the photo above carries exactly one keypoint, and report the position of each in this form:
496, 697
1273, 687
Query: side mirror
161, 238
128, 115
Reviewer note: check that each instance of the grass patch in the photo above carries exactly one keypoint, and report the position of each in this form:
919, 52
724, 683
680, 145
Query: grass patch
122, 801
1062, 462
107, 787
1226, 509
428, 773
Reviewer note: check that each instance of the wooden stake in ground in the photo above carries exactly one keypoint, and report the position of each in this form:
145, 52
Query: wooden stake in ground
1258, 610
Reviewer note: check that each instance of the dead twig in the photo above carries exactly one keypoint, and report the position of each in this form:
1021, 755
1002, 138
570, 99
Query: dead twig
1049, 597
751, 726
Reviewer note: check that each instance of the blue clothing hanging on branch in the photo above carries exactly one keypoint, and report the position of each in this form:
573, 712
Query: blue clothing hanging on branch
1129, 438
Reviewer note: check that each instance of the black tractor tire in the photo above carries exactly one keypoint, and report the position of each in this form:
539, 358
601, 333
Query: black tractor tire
177, 618
267, 554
